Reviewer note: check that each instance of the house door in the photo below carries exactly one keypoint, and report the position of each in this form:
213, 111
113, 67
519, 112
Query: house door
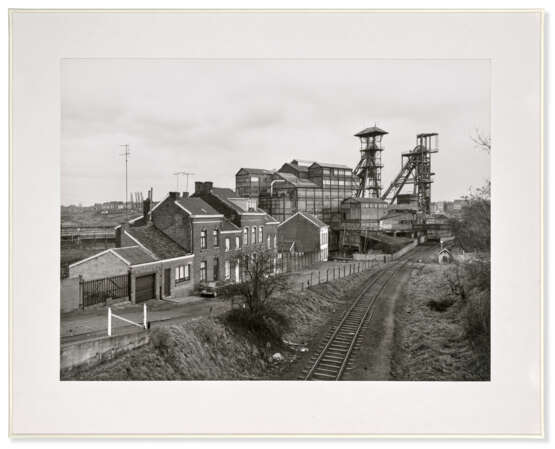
167, 281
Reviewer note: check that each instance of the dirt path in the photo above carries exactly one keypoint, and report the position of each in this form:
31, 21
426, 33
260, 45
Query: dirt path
373, 360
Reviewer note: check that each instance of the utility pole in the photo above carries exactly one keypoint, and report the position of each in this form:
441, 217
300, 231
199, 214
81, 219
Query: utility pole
187, 176
183, 173
126, 153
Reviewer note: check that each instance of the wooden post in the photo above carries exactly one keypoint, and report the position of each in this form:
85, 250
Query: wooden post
109, 321
145, 320
327, 274
318, 277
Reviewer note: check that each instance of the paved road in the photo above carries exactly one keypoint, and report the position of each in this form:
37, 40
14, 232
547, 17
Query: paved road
93, 323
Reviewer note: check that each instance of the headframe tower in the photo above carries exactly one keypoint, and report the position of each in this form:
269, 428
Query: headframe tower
369, 168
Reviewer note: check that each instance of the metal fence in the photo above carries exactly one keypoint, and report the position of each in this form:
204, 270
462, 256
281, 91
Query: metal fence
288, 263
98, 291
324, 275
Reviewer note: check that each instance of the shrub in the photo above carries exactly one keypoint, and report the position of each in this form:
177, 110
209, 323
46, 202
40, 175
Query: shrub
265, 324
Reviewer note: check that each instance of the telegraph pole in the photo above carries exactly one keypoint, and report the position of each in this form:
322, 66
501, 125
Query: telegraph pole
182, 173
126, 153
187, 177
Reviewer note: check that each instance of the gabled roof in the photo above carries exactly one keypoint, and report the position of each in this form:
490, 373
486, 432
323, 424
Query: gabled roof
372, 131
296, 181
197, 206
255, 171
225, 195
155, 241
228, 226
308, 217
299, 168
134, 255
328, 165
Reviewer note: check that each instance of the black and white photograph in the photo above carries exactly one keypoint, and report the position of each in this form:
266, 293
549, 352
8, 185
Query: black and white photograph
304, 220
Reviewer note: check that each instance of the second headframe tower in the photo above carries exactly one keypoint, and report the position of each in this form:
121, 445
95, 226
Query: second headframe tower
369, 168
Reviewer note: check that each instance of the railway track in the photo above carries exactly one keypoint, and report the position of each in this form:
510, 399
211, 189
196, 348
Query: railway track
334, 354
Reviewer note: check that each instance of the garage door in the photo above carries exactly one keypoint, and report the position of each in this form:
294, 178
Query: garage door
144, 288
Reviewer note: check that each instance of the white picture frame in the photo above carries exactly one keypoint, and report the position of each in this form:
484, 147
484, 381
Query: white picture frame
510, 405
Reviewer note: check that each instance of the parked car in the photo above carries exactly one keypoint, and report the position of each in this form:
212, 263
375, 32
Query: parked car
212, 288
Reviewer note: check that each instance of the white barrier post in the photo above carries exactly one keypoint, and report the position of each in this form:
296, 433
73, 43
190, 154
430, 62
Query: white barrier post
109, 322
144, 316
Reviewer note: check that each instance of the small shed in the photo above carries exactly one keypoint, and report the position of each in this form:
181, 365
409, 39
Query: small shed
444, 256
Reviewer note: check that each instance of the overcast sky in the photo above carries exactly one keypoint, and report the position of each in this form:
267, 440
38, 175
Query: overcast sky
214, 117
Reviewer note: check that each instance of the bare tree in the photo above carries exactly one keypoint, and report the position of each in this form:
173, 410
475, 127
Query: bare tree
260, 279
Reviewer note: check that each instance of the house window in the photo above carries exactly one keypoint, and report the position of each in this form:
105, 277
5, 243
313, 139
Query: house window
215, 238
275, 241
203, 237
253, 235
260, 235
182, 273
268, 241
203, 270
227, 244
216, 268
237, 271
237, 242
245, 236
227, 270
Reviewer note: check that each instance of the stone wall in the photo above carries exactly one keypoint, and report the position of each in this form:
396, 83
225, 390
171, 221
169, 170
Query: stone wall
88, 353
69, 294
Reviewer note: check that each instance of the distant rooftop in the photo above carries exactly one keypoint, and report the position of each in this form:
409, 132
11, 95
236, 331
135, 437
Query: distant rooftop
329, 165
255, 171
295, 181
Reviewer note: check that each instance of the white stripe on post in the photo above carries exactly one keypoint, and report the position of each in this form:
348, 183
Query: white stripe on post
144, 316
109, 322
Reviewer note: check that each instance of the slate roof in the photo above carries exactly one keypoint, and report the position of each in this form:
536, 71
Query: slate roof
224, 194
156, 241
314, 219
134, 254
229, 226
197, 206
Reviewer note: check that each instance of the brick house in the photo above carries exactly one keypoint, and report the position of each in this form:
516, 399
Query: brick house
304, 233
145, 272
197, 227
172, 273
252, 227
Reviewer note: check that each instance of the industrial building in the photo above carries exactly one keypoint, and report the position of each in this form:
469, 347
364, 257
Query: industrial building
299, 186
352, 202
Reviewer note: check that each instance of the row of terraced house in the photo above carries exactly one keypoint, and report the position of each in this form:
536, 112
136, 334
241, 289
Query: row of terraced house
185, 240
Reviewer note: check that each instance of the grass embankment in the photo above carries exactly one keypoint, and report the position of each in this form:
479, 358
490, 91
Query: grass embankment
442, 326
212, 348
